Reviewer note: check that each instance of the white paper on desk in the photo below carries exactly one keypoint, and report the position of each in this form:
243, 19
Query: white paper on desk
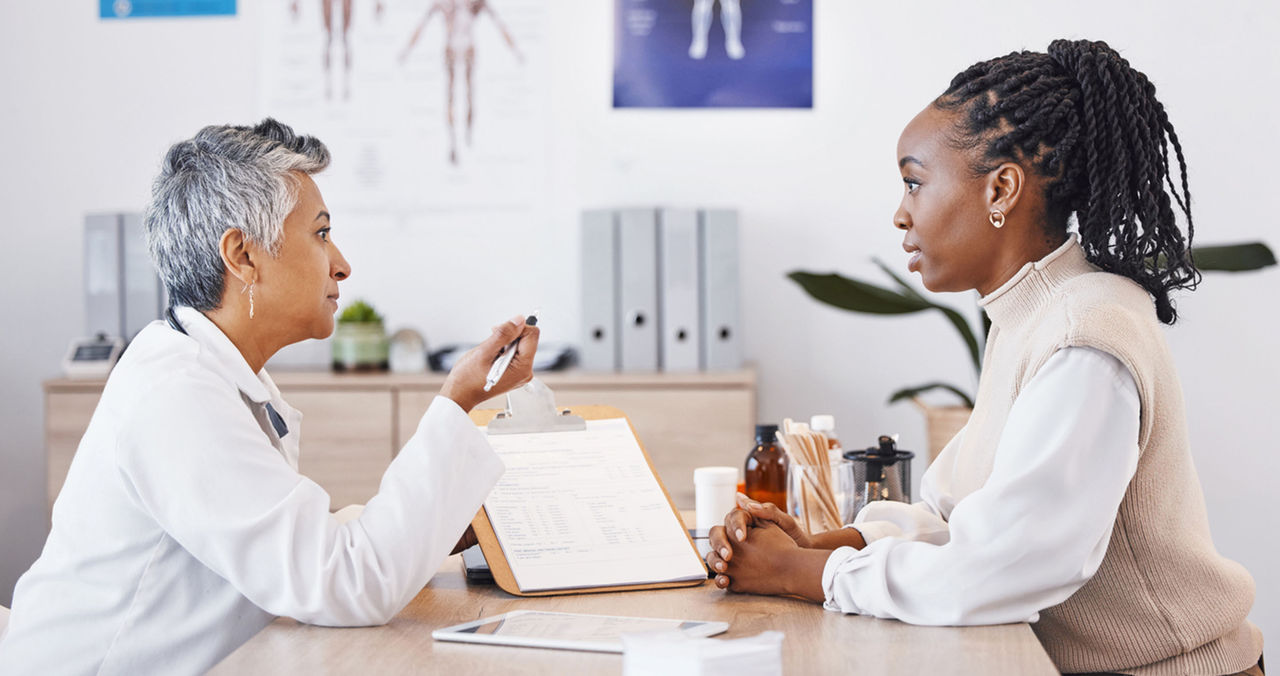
583, 509
673, 653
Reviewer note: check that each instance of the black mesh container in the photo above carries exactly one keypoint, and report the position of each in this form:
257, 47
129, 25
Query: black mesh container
881, 473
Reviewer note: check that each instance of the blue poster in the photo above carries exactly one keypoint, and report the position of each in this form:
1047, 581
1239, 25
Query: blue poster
134, 9
713, 53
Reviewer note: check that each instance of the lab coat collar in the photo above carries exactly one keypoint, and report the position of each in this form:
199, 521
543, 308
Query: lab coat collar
225, 357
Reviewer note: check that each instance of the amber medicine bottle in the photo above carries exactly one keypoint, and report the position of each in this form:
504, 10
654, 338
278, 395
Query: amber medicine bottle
765, 472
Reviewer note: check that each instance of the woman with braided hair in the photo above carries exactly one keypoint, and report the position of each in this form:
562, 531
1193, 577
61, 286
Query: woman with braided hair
1070, 500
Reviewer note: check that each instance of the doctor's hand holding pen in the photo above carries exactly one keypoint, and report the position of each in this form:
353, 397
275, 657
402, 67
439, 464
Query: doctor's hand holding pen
466, 383
761, 549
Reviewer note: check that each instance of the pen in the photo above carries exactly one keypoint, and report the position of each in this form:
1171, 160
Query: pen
504, 357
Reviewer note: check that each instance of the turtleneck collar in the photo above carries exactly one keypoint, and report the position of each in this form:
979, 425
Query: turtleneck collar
1029, 288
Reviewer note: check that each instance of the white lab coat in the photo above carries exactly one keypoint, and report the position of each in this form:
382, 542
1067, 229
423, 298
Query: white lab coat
184, 528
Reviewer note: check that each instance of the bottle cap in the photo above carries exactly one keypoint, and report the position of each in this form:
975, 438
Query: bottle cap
884, 453
822, 423
766, 432
716, 475
885, 447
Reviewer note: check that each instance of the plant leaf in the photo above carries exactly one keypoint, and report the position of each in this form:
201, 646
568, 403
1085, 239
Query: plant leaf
1233, 257
966, 332
957, 320
858, 296
902, 283
913, 392
359, 312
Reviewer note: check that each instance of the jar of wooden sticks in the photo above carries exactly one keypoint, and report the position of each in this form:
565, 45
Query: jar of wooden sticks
820, 485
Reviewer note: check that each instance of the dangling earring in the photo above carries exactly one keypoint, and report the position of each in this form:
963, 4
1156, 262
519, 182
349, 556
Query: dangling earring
997, 219
249, 288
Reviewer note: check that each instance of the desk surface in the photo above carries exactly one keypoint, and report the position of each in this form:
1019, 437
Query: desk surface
817, 641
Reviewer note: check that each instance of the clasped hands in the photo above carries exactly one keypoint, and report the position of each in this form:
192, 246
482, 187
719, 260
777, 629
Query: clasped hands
761, 549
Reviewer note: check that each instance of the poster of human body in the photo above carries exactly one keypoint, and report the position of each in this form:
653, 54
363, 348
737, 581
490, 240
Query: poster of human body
713, 53
432, 104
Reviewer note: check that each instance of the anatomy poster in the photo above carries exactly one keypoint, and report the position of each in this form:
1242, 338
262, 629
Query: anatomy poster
713, 53
424, 104
139, 9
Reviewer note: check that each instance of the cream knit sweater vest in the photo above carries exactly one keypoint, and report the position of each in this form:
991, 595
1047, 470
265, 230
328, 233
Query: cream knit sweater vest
1164, 601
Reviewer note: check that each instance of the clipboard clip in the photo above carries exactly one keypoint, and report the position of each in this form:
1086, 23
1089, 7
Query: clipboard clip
532, 408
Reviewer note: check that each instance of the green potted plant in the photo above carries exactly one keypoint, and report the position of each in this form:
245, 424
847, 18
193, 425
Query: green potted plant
942, 422
359, 341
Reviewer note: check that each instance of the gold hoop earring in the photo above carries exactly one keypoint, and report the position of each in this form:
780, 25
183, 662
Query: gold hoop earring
997, 219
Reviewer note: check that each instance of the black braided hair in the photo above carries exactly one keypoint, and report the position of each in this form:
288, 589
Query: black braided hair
1082, 117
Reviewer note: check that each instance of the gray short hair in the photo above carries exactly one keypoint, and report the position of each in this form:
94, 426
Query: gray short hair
224, 177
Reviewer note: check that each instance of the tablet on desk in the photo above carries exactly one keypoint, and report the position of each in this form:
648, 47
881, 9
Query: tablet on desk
568, 631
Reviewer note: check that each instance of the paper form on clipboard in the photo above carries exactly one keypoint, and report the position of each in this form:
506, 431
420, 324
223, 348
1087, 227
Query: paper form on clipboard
584, 509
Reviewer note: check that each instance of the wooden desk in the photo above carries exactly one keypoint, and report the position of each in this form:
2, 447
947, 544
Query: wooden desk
817, 641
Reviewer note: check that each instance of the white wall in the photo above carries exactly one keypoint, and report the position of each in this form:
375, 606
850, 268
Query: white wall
89, 107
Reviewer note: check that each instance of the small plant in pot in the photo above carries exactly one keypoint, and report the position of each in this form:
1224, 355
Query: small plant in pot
359, 341
943, 422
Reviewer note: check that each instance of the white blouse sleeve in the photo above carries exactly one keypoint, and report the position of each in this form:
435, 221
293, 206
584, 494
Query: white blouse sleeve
216, 485
1038, 528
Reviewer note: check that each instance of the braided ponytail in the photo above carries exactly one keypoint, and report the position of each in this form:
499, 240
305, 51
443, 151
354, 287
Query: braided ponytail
1081, 116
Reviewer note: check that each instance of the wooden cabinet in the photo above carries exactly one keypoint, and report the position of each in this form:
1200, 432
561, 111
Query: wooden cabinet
353, 424
347, 441
67, 410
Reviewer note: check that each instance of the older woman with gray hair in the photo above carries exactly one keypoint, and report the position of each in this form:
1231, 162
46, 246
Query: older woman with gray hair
184, 526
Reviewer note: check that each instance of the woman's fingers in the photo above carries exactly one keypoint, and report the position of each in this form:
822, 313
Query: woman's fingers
767, 511
770, 512
715, 562
736, 523
501, 335
521, 368
465, 382
718, 557
719, 540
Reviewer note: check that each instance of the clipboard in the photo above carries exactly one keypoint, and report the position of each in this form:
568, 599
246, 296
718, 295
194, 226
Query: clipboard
531, 409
